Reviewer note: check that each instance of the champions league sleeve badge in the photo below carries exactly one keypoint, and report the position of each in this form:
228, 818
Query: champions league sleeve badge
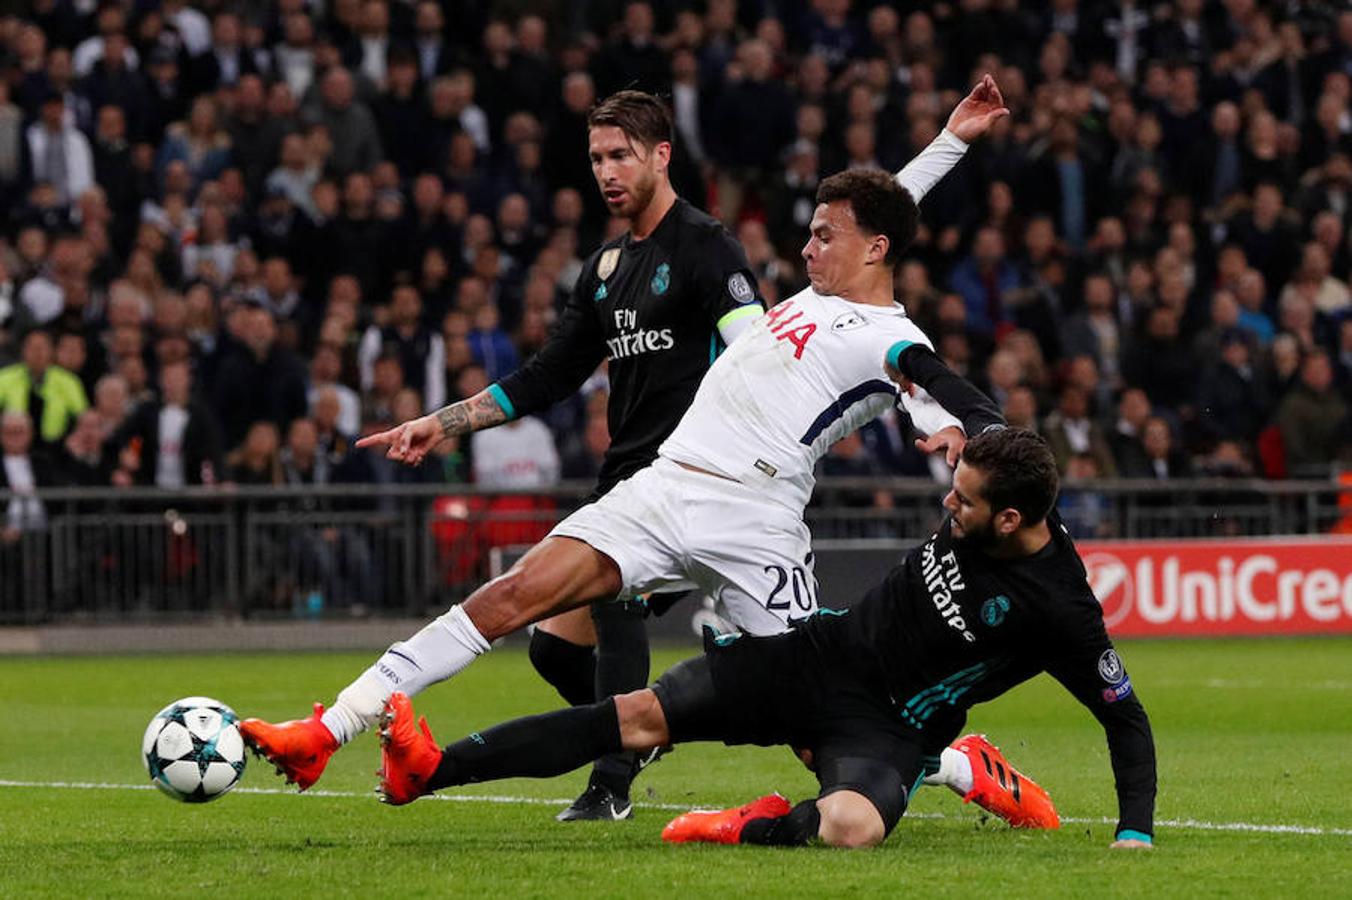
740, 288
609, 260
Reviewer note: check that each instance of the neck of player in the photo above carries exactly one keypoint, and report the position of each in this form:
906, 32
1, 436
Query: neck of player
1023, 542
872, 286
645, 223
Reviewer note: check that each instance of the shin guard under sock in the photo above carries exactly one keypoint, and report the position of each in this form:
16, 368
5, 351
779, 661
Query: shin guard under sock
532, 747
569, 667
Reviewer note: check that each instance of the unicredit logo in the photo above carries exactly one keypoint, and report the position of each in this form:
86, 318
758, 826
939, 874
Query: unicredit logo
1160, 589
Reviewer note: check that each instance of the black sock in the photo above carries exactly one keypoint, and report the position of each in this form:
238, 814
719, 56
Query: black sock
621, 667
531, 747
797, 828
569, 667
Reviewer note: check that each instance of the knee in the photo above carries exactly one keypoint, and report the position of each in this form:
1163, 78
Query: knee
643, 724
850, 821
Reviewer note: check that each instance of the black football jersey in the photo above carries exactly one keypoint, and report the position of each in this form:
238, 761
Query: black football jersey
651, 307
952, 626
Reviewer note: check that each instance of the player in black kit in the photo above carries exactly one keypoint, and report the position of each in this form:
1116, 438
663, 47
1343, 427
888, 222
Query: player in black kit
997, 595
660, 302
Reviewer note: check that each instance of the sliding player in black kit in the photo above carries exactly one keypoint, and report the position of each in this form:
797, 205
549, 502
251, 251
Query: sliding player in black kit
660, 302
997, 595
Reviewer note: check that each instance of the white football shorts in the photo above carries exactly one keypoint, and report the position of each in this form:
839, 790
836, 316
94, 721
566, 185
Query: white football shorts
668, 528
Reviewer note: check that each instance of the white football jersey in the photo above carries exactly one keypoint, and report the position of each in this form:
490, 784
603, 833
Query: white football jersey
804, 375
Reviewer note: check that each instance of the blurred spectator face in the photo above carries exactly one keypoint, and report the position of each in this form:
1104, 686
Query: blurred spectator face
1082, 467
1225, 120
71, 352
260, 331
1004, 370
302, 439
1157, 439
176, 384
260, 443
358, 192
277, 280
387, 376
428, 20
1251, 290
1297, 313
1021, 408
513, 213
16, 433
336, 89
112, 124
427, 195
1316, 373
1235, 353
1163, 324
638, 22
567, 207
405, 306
1082, 372
327, 409
37, 352
53, 112
531, 35
1134, 408
989, 247
1267, 204
579, 94
327, 364
471, 381
110, 398
1314, 263
1074, 404
225, 31
87, 436
1098, 294
406, 405
133, 371
1285, 355
1224, 310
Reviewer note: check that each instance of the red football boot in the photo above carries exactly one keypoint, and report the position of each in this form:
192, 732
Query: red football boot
723, 826
408, 754
1002, 790
300, 748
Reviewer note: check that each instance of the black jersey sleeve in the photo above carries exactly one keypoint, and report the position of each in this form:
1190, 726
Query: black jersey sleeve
575, 347
1084, 660
724, 279
975, 410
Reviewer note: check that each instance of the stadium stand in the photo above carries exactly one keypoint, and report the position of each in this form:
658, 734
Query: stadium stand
339, 214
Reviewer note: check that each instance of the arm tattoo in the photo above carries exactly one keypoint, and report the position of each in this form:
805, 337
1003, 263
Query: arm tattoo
479, 411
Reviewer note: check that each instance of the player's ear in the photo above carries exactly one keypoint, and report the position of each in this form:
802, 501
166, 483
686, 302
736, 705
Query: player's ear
877, 249
662, 153
1007, 521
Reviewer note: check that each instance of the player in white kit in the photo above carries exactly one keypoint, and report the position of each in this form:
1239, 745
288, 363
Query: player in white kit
722, 507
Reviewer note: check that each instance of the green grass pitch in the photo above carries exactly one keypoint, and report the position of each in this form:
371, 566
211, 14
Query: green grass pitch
1250, 734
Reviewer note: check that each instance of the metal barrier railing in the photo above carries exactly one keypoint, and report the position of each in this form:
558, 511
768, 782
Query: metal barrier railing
143, 554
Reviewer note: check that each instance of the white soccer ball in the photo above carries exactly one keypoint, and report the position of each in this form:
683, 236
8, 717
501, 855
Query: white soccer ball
193, 749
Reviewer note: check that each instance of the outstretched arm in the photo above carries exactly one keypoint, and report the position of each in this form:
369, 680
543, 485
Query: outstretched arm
971, 118
410, 441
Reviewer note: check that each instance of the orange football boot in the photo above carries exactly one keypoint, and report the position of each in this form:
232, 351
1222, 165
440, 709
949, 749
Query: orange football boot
408, 754
1002, 790
723, 826
299, 748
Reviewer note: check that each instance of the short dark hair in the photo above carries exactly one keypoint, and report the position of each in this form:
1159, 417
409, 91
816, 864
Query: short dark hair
880, 204
1020, 471
642, 117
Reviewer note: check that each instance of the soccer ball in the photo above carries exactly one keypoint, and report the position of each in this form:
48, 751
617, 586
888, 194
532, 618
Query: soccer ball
193, 749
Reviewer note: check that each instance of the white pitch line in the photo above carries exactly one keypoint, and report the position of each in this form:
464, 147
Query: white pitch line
1193, 824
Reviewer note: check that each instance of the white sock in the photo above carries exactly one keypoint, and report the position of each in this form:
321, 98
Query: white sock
955, 770
441, 650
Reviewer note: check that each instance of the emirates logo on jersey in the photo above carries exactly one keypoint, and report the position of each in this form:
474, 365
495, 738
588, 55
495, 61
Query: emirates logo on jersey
634, 341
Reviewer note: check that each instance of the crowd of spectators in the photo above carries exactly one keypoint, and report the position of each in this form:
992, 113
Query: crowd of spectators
237, 235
